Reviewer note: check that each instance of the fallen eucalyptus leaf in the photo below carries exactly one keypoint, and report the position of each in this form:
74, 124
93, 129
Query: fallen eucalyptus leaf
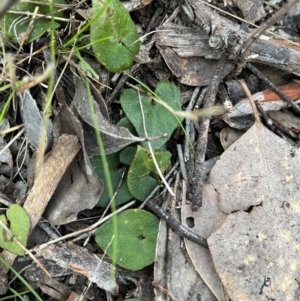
34, 121
256, 250
204, 222
113, 137
136, 240
80, 187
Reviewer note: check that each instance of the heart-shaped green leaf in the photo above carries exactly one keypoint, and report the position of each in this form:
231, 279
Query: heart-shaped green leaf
142, 169
158, 119
19, 222
17, 25
113, 162
113, 35
136, 238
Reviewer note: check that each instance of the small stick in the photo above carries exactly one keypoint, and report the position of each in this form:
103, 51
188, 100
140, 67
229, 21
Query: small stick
274, 87
176, 225
245, 47
209, 101
188, 125
181, 162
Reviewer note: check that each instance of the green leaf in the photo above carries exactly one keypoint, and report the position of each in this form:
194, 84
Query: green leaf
136, 238
124, 122
113, 35
123, 194
158, 119
19, 225
140, 180
127, 154
17, 25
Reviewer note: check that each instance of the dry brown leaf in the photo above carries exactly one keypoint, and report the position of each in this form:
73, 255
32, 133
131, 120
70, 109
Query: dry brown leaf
256, 250
201, 70
204, 222
113, 137
34, 121
80, 187
229, 135
171, 269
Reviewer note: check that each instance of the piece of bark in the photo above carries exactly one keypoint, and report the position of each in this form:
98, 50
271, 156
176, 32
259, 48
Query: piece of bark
62, 154
268, 99
80, 260
279, 54
286, 120
55, 289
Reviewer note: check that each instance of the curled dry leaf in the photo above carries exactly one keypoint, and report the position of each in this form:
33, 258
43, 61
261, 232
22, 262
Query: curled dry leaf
6, 159
80, 187
113, 137
256, 250
34, 121
204, 222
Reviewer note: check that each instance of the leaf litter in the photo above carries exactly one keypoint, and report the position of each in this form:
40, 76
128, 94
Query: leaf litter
252, 204
256, 250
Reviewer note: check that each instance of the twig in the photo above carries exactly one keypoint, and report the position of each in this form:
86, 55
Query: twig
259, 31
188, 125
181, 162
176, 225
245, 47
203, 134
120, 85
274, 87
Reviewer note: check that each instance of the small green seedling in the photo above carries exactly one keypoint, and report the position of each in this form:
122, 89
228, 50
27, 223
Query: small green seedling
18, 222
143, 175
114, 36
158, 119
136, 240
